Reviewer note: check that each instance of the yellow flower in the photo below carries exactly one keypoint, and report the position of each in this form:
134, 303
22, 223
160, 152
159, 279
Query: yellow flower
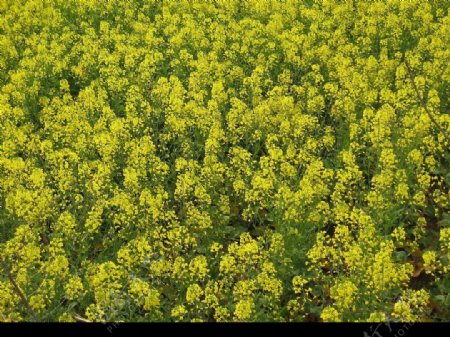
330, 314
74, 288
179, 312
244, 309
193, 294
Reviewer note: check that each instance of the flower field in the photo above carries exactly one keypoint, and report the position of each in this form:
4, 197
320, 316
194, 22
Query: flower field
224, 160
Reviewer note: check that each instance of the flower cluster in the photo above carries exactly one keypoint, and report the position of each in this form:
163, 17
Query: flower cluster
224, 160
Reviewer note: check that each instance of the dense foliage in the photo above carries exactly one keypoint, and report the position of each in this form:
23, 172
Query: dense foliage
227, 160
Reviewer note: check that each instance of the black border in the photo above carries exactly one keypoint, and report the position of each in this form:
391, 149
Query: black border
212, 329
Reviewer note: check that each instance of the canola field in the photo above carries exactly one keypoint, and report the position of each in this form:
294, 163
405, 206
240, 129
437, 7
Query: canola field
224, 160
